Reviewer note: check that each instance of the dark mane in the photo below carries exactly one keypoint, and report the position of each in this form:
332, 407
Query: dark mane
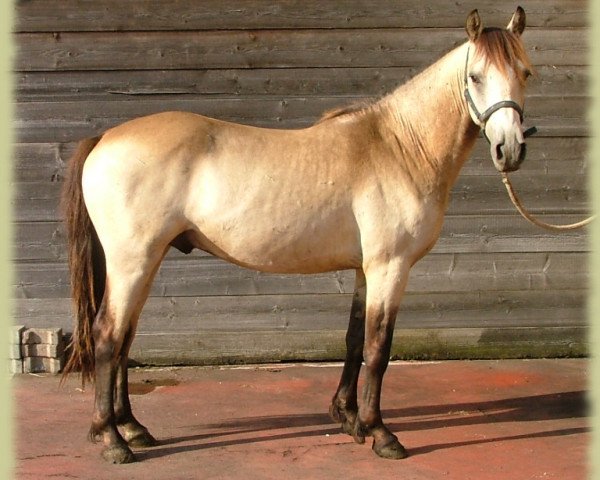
353, 108
503, 48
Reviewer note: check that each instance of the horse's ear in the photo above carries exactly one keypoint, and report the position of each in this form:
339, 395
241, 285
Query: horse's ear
517, 22
474, 25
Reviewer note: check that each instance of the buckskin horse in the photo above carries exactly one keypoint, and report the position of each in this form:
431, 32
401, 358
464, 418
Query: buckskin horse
364, 188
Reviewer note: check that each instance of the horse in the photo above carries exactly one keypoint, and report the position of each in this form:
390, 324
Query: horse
364, 188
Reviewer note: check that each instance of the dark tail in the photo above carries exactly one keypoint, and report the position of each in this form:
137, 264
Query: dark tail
86, 265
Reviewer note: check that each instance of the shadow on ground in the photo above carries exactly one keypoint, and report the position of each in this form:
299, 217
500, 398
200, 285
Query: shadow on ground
522, 409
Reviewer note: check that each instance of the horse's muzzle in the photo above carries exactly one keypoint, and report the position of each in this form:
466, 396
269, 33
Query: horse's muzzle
508, 158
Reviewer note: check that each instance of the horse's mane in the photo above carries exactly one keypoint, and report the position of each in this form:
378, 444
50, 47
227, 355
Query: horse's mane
503, 49
357, 107
498, 46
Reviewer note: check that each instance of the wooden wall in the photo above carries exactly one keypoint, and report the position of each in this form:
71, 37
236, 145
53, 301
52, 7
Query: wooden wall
492, 287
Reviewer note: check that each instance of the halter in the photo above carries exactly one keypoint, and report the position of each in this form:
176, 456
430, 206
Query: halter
484, 117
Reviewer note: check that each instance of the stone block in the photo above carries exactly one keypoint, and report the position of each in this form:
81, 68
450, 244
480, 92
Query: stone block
42, 350
42, 364
42, 335
16, 333
15, 366
14, 351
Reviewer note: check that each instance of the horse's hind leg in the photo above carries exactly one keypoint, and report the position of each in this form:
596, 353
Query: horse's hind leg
128, 283
344, 406
104, 427
135, 434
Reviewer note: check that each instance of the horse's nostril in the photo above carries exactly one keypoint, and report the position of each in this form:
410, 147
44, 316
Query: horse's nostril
499, 153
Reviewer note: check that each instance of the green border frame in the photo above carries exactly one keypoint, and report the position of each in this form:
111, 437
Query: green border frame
6, 434
594, 188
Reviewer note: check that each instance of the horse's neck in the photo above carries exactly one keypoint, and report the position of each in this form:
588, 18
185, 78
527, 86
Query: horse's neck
430, 121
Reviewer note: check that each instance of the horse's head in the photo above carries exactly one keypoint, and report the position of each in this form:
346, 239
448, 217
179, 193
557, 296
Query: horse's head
495, 75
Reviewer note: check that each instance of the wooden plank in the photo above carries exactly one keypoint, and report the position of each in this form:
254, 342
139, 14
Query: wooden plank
482, 194
114, 15
271, 49
371, 81
40, 162
204, 276
557, 80
35, 86
179, 315
507, 234
540, 194
39, 242
46, 162
441, 272
434, 273
45, 241
68, 121
545, 156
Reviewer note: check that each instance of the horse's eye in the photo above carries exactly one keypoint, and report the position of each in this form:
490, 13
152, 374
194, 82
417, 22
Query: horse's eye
527, 73
475, 78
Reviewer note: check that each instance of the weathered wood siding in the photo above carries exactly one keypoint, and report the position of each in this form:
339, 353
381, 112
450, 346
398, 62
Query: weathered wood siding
493, 286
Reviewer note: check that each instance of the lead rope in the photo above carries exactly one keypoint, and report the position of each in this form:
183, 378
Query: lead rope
527, 216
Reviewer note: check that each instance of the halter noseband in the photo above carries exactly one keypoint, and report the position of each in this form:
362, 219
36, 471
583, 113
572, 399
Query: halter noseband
484, 117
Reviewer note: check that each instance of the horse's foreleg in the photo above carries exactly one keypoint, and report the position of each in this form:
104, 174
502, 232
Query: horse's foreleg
136, 435
344, 406
385, 286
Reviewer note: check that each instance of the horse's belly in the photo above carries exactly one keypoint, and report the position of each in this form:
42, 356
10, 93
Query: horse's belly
274, 241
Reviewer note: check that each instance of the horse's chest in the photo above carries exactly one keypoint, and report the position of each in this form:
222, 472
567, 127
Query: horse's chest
425, 230
398, 224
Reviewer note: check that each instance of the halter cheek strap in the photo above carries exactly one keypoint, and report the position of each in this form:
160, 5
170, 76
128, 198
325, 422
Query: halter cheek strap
483, 117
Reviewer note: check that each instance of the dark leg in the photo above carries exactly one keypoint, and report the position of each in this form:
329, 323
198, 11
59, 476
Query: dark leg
136, 435
128, 285
344, 405
104, 425
385, 288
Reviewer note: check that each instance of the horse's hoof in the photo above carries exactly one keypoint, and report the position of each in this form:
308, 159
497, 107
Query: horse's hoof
142, 440
392, 450
118, 455
358, 439
348, 428
358, 432
348, 422
336, 414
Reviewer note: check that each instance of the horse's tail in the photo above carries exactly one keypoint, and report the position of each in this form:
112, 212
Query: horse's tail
86, 265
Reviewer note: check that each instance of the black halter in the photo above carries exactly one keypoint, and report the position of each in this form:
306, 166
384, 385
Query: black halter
484, 117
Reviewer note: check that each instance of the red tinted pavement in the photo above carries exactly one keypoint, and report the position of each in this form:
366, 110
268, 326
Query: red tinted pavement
508, 420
